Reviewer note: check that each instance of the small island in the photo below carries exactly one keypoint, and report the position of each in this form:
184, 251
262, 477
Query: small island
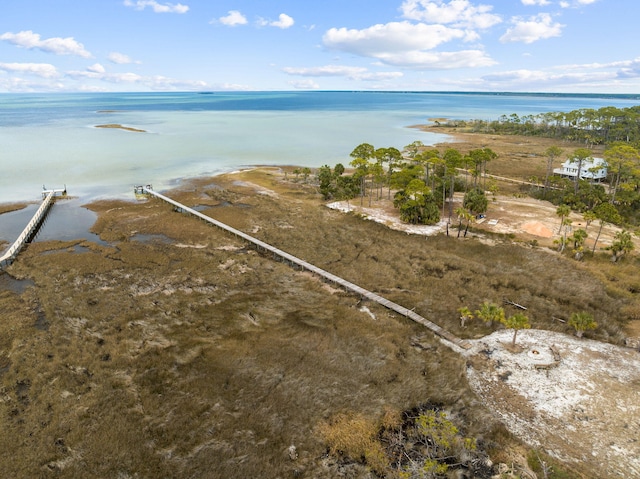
121, 127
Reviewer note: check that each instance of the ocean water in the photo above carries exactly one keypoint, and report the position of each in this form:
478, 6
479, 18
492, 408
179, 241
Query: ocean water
50, 139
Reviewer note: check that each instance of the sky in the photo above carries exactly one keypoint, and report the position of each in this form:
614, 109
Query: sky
570, 46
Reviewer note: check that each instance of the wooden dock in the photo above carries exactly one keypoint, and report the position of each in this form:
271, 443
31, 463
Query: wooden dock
32, 227
303, 265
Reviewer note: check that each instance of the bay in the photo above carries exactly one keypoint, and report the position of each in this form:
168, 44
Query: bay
51, 140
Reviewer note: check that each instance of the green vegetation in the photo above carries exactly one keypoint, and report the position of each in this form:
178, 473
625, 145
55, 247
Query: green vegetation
424, 180
167, 357
490, 313
517, 322
622, 192
417, 204
547, 467
615, 131
420, 443
475, 201
443, 172
603, 126
465, 315
622, 245
582, 322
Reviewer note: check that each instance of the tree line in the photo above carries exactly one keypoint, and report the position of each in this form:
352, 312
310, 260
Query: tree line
590, 126
422, 179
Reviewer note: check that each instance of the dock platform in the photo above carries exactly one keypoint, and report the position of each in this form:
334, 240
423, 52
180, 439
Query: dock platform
48, 197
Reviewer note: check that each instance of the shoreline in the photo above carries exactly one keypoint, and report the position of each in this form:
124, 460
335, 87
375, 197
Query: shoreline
508, 147
118, 126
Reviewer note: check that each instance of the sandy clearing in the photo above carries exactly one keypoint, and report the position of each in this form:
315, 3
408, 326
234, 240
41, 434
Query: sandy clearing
585, 409
526, 218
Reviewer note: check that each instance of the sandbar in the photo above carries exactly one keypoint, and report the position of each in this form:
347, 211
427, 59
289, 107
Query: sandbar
121, 127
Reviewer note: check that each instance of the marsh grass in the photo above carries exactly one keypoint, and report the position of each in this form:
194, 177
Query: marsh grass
162, 360
9, 207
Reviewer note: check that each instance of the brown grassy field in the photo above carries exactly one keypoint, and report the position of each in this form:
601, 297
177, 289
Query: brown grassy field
176, 351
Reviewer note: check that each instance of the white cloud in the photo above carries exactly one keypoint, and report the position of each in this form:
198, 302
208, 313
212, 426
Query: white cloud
395, 37
120, 58
233, 19
284, 21
375, 76
157, 7
127, 77
536, 28
324, 71
158, 82
96, 68
354, 73
459, 13
406, 44
539, 80
621, 69
441, 60
95, 78
44, 70
304, 85
536, 2
59, 46
15, 84
576, 3
171, 84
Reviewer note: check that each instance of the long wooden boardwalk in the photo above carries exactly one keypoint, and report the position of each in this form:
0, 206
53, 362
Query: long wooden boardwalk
32, 228
303, 265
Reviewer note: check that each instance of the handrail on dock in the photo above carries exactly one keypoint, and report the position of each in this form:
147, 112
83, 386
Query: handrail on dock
294, 261
32, 227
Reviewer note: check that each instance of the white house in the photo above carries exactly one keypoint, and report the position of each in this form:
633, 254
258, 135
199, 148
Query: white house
593, 169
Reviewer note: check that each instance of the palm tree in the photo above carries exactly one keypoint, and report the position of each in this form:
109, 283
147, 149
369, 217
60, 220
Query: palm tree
606, 213
469, 217
475, 201
622, 244
581, 322
517, 322
463, 215
562, 211
490, 312
579, 237
563, 241
465, 315
588, 217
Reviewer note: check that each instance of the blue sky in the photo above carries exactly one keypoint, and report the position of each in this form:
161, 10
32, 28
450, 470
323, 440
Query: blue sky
582, 46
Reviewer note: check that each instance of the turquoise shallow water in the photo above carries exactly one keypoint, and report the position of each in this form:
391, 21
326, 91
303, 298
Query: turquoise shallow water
51, 139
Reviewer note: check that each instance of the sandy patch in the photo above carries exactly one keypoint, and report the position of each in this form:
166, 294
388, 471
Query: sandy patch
523, 217
537, 229
582, 409
385, 214
257, 188
195, 246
